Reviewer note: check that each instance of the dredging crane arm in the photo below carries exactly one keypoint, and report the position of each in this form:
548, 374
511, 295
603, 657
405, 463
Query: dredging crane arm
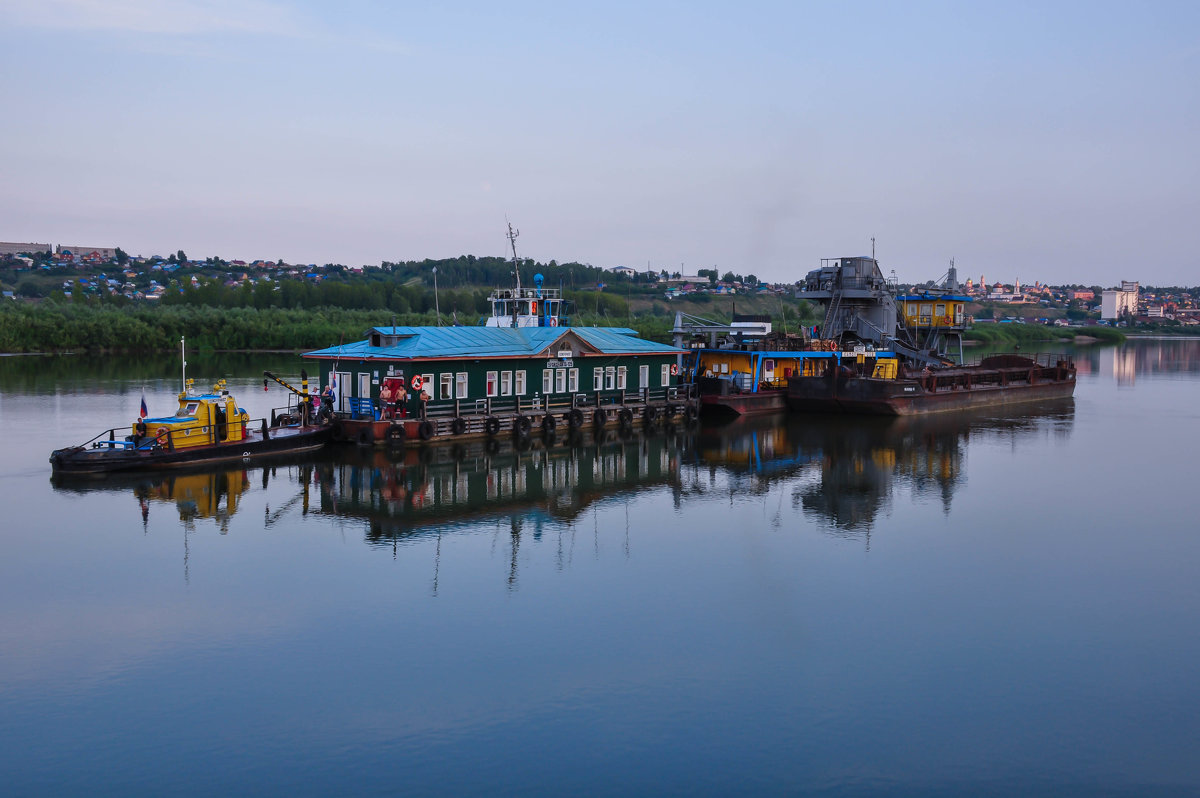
302, 392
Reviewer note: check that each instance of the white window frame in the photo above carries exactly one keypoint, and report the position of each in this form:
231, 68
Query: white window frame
598, 378
519, 388
644, 375
547, 381
622, 377
427, 382
560, 380
610, 378
506, 383
446, 386
666, 374
572, 380
493, 383
460, 385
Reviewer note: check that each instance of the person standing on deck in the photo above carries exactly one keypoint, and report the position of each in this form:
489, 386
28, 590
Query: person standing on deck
386, 408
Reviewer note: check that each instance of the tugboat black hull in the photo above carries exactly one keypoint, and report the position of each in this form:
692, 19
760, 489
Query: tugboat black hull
102, 458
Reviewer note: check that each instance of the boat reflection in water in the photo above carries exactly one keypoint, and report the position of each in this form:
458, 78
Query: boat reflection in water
839, 472
474, 486
844, 471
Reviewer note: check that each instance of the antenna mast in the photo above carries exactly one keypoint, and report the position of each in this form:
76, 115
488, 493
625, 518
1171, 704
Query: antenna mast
512, 242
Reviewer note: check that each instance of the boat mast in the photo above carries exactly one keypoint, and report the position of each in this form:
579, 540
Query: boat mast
183, 359
512, 241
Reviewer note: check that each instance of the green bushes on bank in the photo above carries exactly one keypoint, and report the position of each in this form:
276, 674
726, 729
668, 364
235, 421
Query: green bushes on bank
1022, 333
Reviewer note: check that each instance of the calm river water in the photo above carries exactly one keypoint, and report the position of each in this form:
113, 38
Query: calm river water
998, 604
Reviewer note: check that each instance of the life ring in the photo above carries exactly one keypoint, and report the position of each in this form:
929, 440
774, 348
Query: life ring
396, 435
366, 436
674, 369
492, 426
521, 425
548, 423
625, 416
575, 418
162, 433
426, 430
553, 321
458, 426
600, 417
416, 382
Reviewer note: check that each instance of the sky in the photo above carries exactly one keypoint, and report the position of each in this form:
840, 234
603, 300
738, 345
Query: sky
1051, 141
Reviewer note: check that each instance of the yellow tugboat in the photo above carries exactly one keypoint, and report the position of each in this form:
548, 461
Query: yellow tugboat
205, 428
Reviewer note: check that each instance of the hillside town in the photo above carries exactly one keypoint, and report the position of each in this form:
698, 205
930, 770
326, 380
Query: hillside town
32, 270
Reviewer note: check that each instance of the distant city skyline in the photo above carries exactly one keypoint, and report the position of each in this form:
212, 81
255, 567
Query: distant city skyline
1054, 140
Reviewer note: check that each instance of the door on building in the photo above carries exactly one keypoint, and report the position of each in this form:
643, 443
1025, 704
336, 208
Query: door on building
342, 380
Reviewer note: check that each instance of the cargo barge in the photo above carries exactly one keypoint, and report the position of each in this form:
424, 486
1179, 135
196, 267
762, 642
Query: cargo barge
891, 388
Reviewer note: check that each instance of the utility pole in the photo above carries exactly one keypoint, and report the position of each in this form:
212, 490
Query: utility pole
436, 307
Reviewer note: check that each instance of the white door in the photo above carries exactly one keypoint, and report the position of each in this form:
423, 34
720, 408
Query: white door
343, 389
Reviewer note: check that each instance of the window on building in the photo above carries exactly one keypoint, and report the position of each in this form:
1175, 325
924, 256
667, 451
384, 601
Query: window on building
598, 378
460, 381
506, 383
520, 390
573, 380
941, 310
446, 387
427, 383
547, 380
666, 374
610, 378
621, 375
560, 380
491, 383
644, 376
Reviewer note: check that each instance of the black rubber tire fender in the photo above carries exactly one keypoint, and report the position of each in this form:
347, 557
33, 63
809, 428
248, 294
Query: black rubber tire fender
492, 425
396, 435
600, 417
458, 426
426, 430
521, 425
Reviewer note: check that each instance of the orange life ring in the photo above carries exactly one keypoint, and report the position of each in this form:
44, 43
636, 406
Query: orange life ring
161, 431
553, 321
416, 382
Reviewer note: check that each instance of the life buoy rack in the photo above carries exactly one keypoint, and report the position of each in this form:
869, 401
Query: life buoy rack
458, 426
426, 430
492, 425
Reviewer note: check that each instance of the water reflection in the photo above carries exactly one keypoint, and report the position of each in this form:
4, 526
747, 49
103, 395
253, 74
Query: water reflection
1167, 357
843, 471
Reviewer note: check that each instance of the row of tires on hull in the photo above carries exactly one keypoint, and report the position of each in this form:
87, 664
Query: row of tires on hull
522, 426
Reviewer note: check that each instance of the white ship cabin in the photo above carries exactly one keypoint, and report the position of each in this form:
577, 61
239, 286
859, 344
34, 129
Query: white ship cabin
526, 307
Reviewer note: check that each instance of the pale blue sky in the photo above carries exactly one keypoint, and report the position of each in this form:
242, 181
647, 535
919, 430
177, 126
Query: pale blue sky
1053, 141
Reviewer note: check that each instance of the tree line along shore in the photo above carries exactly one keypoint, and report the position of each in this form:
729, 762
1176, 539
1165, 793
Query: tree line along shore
62, 326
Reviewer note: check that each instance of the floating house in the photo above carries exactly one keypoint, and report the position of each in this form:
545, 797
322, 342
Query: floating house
480, 380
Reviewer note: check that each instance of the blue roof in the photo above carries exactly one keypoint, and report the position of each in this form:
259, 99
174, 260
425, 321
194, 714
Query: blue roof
441, 342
